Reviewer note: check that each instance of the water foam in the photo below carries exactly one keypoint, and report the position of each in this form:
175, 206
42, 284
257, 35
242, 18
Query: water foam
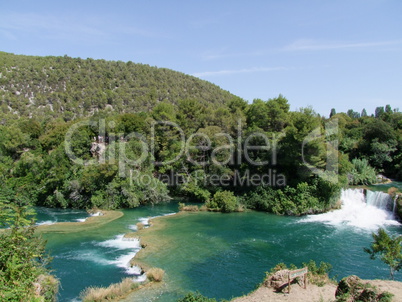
355, 212
140, 278
96, 214
47, 222
133, 227
122, 243
145, 220
380, 200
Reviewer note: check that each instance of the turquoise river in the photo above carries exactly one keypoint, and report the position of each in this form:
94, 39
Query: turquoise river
202, 251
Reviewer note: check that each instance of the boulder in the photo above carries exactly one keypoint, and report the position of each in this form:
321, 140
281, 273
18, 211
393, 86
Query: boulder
277, 280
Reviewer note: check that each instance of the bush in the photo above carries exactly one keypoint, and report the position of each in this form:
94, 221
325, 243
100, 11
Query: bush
316, 274
224, 201
155, 274
49, 287
362, 173
196, 297
352, 288
190, 208
23, 272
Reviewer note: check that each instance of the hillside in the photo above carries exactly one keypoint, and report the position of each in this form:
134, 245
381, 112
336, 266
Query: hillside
72, 87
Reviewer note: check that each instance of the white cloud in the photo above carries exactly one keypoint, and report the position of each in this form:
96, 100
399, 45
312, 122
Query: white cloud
237, 71
301, 45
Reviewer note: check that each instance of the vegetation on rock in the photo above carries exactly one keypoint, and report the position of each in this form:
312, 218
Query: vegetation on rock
352, 288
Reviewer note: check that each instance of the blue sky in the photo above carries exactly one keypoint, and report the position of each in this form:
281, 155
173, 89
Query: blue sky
324, 54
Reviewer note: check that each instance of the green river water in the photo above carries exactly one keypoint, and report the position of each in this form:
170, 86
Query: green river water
220, 255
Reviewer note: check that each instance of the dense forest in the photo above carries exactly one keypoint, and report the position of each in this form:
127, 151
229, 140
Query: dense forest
93, 133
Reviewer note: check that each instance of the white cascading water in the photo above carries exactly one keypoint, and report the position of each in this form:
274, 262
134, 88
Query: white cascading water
380, 200
357, 211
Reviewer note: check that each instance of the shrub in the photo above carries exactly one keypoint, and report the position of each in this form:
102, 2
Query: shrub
49, 287
352, 288
190, 208
155, 274
316, 274
196, 297
224, 201
362, 173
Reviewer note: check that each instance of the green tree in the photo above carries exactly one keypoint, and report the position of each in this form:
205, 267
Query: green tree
388, 249
333, 112
270, 116
388, 109
353, 114
364, 113
379, 111
22, 257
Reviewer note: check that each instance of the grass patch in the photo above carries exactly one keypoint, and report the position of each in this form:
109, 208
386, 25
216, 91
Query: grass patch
119, 290
190, 208
114, 291
140, 226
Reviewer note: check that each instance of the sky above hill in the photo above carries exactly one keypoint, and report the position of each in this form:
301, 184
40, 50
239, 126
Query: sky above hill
342, 54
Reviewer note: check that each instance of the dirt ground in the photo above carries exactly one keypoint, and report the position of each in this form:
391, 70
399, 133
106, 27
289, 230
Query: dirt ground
314, 293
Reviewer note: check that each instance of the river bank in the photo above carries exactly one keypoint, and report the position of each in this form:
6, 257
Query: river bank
90, 223
314, 293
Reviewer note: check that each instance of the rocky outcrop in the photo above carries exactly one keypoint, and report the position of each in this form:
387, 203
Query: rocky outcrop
278, 280
97, 149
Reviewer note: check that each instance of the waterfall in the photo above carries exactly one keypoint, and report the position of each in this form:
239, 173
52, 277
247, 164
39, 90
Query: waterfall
380, 200
358, 210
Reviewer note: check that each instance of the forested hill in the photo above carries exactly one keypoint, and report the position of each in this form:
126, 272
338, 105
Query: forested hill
72, 87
